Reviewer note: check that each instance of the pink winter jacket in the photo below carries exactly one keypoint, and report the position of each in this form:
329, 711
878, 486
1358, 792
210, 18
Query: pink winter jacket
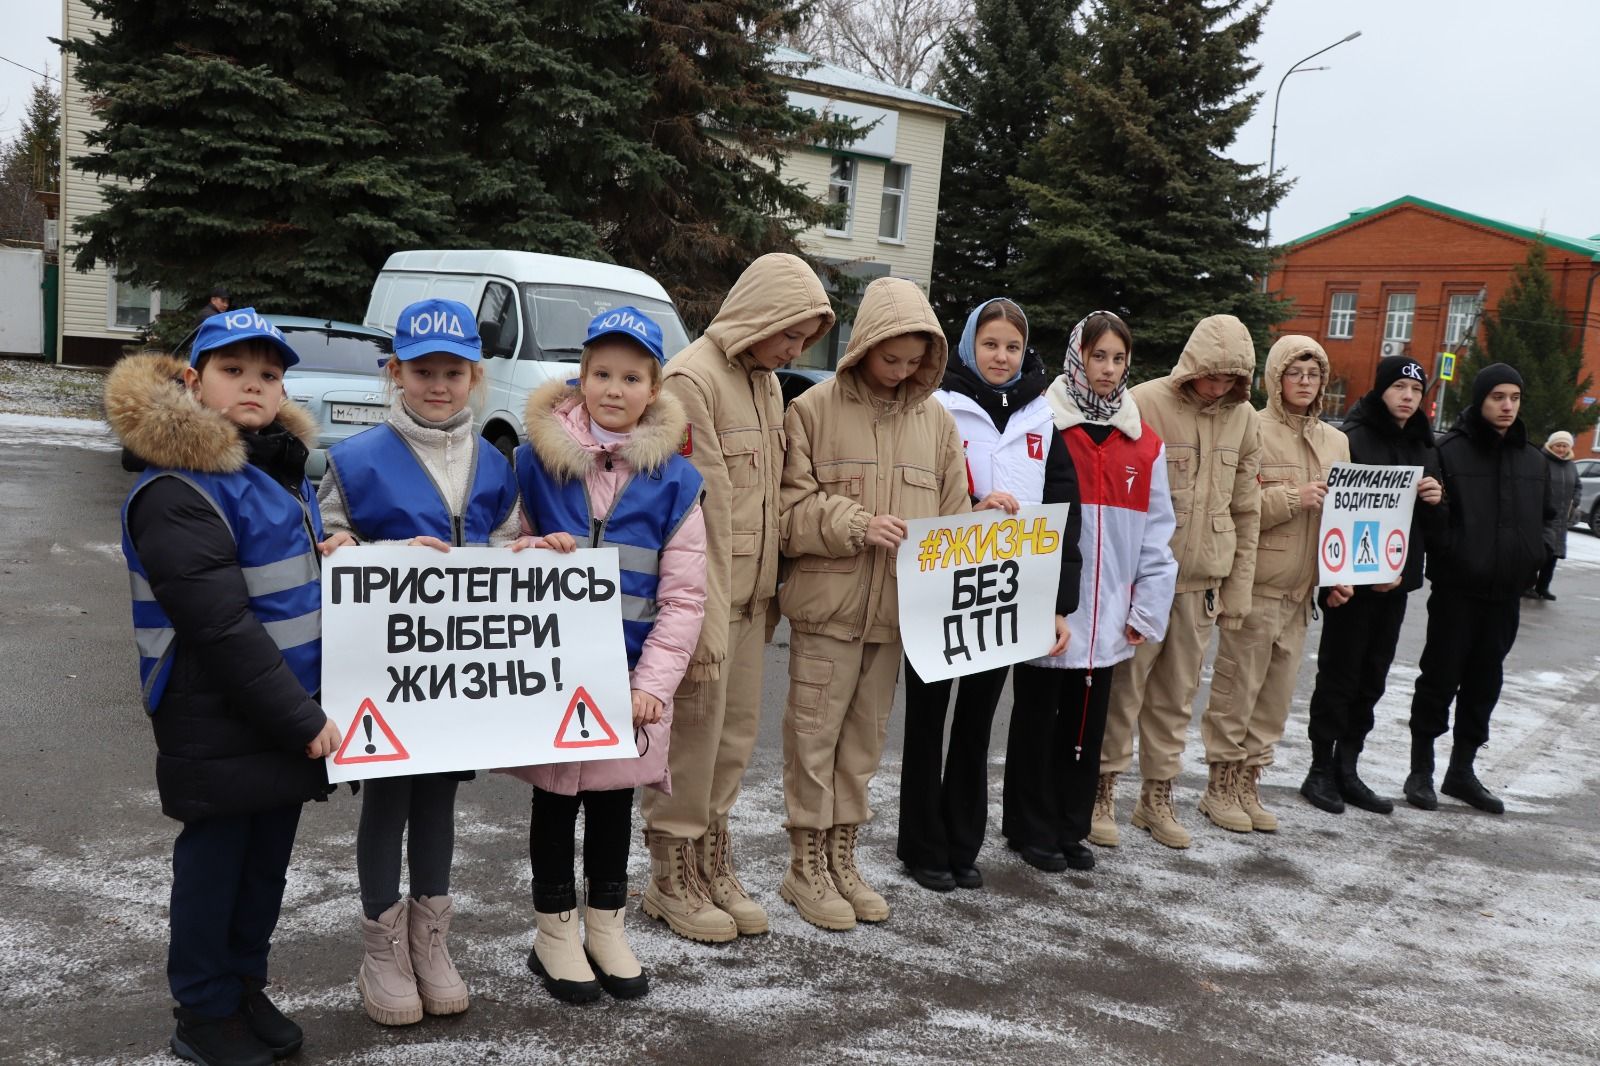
558, 431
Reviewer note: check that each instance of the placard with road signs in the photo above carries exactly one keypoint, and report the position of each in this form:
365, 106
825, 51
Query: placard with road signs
1366, 523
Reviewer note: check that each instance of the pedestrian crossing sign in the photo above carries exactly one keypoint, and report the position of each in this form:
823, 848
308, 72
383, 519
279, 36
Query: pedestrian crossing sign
1447, 366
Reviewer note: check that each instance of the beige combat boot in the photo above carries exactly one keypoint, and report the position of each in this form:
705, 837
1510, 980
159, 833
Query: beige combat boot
1154, 812
1221, 801
440, 986
387, 982
715, 851
1103, 825
868, 905
1261, 819
677, 896
558, 959
808, 885
610, 957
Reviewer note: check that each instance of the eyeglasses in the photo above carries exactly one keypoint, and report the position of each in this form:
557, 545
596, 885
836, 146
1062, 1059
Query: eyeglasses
1302, 375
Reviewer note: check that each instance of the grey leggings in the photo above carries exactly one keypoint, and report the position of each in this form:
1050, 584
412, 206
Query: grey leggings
425, 802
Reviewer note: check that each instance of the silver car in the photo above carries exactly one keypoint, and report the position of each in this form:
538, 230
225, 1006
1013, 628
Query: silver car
1588, 495
339, 378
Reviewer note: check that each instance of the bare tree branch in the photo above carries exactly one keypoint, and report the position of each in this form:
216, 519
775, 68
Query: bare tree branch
897, 41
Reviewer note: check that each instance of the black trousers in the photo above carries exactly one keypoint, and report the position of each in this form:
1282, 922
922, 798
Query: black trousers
1468, 639
1353, 660
228, 876
607, 826
418, 811
942, 819
1547, 572
1058, 721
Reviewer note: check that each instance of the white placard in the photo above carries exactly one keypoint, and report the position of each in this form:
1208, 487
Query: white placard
978, 591
472, 659
1366, 523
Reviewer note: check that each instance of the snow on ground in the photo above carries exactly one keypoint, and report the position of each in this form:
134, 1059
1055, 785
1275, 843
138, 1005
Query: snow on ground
53, 431
32, 386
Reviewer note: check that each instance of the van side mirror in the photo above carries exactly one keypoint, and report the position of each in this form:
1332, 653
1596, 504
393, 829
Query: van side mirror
489, 333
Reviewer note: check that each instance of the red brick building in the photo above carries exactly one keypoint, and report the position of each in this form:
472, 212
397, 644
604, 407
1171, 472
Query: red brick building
1413, 276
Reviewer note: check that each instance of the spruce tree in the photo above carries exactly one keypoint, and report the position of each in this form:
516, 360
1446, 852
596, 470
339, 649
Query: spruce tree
30, 162
1533, 333
288, 148
1134, 205
1006, 71
708, 193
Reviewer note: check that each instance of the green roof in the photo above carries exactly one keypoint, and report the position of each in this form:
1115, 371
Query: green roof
1589, 247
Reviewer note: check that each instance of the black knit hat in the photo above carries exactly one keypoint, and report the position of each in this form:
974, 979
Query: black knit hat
1392, 368
1490, 377
220, 290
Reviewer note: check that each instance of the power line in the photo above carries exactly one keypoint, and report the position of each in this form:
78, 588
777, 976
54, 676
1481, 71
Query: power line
30, 70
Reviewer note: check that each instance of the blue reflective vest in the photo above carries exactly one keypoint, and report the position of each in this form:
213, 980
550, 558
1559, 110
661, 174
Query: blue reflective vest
643, 518
389, 494
276, 537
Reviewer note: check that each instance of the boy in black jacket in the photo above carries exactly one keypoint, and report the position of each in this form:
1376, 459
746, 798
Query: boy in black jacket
1386, 427
220, 535
1497, 499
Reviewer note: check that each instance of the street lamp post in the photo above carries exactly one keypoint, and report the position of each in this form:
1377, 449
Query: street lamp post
1272, 154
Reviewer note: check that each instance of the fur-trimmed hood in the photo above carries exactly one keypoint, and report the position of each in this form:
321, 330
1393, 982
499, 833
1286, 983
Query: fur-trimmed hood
159, 421
558, 431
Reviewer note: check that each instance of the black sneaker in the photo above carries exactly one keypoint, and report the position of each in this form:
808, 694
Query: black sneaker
934, 880
967, 876
1078, 855
282, 1036
217, 1041
1046, 859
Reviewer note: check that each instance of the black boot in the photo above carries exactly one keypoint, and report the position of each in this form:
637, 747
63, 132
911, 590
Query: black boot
1419, 786
1351, 787
1319, 787
1460, 782
217, 1041
281, 1035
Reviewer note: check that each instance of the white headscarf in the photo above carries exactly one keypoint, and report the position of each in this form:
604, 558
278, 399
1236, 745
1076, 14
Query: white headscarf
1095, 408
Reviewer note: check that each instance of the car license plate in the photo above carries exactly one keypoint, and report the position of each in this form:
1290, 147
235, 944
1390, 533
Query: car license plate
357, 414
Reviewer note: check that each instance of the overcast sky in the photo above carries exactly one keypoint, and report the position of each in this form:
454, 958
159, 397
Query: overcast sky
1485, 105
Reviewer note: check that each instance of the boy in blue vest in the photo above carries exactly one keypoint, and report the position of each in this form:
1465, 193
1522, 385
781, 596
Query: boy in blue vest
221, 542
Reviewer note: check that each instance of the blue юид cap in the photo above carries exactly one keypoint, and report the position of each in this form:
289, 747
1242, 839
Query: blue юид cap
628, 322
231, 327
430, 326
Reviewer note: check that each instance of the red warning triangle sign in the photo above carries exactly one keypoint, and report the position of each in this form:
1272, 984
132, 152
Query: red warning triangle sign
591, 730
370, 732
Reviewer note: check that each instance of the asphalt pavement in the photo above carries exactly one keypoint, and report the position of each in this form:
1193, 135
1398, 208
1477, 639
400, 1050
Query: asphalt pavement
1447, 937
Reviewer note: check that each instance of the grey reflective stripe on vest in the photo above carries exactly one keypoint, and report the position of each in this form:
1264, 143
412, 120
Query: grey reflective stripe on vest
155, 672
293, 632
632, 557
141, 587
153, 643
638, 609
281, 576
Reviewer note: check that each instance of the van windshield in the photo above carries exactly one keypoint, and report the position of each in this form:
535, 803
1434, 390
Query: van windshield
561, 313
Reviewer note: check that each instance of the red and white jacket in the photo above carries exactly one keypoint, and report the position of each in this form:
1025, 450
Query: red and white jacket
1129, 571
1013, 460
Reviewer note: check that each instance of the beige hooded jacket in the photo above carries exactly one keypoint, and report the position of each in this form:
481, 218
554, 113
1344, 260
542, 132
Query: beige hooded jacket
1295, 449
735, 438
1213, 457
852, 457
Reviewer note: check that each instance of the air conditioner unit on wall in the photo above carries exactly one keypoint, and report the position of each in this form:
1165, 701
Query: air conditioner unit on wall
1393, 348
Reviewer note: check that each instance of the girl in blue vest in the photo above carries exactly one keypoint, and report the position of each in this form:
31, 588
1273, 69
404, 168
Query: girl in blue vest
995, 393
422, 477
601, 468
1058, 720
220, 539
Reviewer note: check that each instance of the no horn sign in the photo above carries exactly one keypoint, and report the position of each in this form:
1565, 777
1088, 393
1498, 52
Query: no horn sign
1366, 506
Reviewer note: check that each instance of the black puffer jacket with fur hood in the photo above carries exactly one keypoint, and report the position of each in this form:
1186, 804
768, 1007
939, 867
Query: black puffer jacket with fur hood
233, 723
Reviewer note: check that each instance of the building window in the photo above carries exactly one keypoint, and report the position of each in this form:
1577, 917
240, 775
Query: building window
1402, 312
129, 307
842, 191
892, 218
1342, 316
1459, 318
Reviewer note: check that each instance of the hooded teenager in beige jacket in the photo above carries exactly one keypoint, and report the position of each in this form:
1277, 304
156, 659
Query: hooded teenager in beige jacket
1202, 412
1253, 679
867, 450
735, 439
